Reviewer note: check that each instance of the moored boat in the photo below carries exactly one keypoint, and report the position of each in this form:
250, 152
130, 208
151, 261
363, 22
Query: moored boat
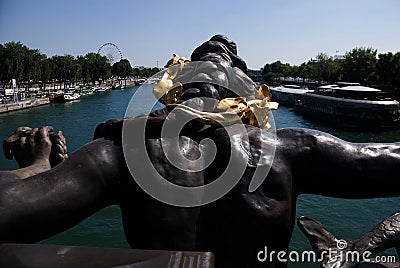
99, 90
117, 85
64, 97
140, 82
351, 105
85, 92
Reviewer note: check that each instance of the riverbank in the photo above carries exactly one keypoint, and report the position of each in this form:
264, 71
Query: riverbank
25, 104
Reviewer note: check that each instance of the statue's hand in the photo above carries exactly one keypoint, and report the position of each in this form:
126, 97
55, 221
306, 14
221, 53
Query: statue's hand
33, 146
58, 149
10, 143
110, 130
28, 146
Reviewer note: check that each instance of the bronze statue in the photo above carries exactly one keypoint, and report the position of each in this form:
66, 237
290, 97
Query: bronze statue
237, 226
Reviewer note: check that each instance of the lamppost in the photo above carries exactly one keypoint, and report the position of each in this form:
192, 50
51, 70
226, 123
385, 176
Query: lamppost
14, 87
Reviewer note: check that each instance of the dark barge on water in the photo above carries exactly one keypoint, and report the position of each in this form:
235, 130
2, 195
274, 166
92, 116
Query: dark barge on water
350, 105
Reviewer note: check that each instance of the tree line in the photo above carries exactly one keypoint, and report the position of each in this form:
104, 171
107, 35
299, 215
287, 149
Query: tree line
30, 66
361, 65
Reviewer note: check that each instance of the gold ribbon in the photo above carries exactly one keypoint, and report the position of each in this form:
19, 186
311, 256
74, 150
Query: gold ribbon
228, 111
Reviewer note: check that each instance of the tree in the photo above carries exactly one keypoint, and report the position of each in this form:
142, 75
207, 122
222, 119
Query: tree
70, 69
273, 72
104, 68
58, 67
145, 72
31, 65
19, 62
45, 71
325, 68
93, 67
122, 68
386, 68
84, 69
359, 65
255, 75
294, 71
12, 63
305, 70
2, 65
154, 70
396, 71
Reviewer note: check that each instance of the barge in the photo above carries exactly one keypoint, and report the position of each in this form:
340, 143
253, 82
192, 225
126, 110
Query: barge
350, 105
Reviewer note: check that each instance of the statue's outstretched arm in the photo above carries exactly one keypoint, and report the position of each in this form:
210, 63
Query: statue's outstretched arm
326, 165
53, 201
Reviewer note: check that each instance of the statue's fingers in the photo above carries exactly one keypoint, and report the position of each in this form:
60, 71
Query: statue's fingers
58, 138
43, 134
60, 149
21, 131
48, 129
57, 157
63, 156
115, 130
17, 150
21, 142
30, 135
110, 126
110, 129
15, 141
59, 143
98, 132
61, 136
7, 150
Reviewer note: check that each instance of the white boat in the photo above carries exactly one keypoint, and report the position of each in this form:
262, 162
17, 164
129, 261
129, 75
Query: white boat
64, 97
99, 90
117, 85
71, 96
140, 82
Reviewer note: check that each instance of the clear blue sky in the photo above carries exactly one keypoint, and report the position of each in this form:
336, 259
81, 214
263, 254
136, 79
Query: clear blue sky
150, 31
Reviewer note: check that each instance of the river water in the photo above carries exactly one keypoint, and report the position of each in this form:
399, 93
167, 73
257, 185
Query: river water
347, 219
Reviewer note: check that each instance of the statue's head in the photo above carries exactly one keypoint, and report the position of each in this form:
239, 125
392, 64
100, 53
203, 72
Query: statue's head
222, 51
215, 71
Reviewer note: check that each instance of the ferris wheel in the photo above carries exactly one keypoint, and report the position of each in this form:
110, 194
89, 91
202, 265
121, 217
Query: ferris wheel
111, 51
